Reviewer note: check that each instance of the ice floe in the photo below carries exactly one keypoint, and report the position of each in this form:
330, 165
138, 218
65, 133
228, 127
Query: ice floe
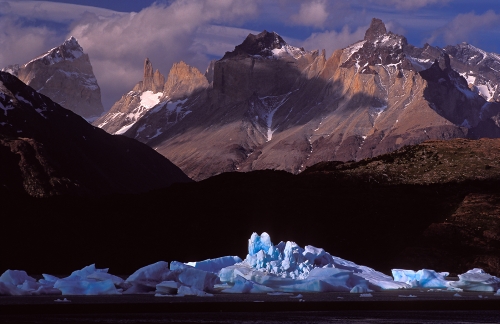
279, 270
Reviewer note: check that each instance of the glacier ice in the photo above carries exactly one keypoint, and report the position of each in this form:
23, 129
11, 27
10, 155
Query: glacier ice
215, 265
287, 267
424, 278
267, 268
86, 287
476, 280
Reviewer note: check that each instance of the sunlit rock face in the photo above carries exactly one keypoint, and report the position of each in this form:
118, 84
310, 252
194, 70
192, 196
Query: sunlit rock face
270, 105
65, 75
153, 96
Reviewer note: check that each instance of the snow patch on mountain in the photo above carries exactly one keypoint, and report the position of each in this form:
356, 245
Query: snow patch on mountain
350, 50
418, 63
70, 50
288, 50
150, 99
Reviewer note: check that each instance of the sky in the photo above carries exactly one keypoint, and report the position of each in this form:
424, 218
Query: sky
119, 35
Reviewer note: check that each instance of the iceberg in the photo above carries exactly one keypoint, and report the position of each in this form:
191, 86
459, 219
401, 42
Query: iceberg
215, 265
86, 287
267, 269
145, 279
194, 278
476, 280
289, 267
244, 286
424, 278
167, 287
15, 277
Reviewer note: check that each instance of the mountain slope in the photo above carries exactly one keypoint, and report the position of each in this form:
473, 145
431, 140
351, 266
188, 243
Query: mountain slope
65, 75
274, 106
48, 150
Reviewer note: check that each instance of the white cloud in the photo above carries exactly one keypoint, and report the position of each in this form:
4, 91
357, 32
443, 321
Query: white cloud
51, 11
464, 26
332, 40
166, 34
312, 13
217, 40
410, 4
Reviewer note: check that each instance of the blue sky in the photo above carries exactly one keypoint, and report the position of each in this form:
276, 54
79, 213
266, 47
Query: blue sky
118, 35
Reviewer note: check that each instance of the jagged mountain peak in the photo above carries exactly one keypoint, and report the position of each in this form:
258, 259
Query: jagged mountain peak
67, 51
264, 44
376, 29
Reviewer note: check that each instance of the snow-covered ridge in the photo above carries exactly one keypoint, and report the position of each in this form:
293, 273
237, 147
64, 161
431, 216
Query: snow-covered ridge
288, 50
68, 51
148, 100
350, 50
268, 268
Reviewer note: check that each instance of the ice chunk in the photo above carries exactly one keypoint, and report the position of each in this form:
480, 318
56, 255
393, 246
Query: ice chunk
198, 279
101, 276
366, 295
84, 273
498, 293
339, 279
359, 289
191, 291
424, 278
8, 289
48, 280
150, 275
215, 265
244, 286
476, 280
167, 287
85, 287
15, 277
258, 243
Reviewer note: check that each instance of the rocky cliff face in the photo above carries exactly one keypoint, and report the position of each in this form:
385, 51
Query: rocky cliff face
65, 75
274, 106
48, 150
167, 99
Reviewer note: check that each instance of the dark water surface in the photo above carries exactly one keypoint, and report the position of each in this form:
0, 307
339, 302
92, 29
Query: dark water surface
273, 317
382, 307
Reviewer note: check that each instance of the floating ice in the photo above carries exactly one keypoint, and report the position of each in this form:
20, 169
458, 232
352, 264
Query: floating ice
288, 267
244, 286
274, 269
192, 277
476, 280
15, 277
86, 287
424, 278
167, 287
215, 265
191, 291
146, 278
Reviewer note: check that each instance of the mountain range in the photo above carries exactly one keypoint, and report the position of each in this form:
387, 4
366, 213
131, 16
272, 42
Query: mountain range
341, 127
269, 105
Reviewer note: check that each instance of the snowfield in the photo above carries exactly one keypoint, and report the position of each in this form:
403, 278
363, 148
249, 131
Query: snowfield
267, 269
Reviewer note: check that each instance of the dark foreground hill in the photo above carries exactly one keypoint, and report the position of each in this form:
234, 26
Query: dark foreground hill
443, 225
48, 150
